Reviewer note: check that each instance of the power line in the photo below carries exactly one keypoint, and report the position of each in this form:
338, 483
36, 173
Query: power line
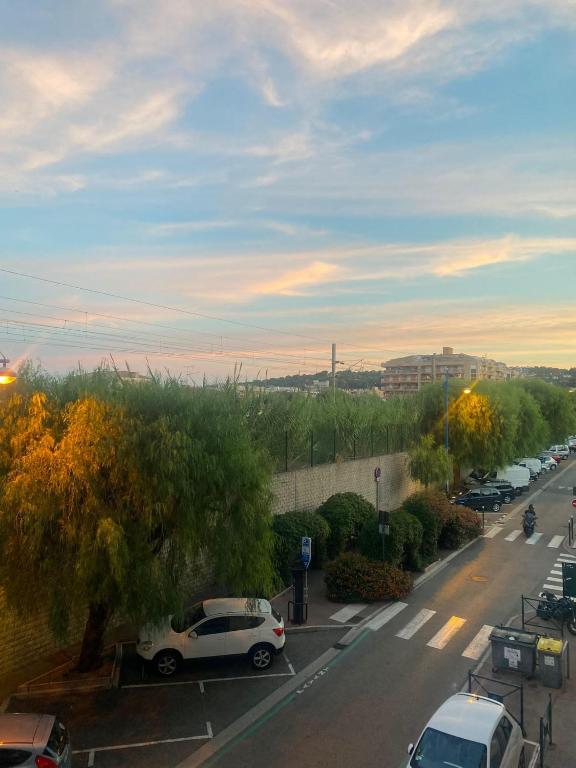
108, 316
189, 312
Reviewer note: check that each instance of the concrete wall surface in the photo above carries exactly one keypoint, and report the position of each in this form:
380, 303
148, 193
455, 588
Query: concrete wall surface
306, 489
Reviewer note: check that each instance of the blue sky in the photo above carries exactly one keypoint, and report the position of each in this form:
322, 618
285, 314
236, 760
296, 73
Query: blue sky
247, 181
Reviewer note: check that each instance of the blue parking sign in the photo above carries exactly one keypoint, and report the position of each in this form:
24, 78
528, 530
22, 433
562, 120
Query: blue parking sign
306, 551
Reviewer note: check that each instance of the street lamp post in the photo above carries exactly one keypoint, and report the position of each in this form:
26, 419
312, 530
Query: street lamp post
446, 434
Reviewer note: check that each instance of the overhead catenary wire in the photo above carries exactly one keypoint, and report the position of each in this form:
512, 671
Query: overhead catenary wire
157, 305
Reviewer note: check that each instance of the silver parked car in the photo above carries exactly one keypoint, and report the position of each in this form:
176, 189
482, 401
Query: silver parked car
33, 741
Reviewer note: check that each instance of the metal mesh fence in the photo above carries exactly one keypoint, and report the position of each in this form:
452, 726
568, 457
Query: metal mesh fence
326, 445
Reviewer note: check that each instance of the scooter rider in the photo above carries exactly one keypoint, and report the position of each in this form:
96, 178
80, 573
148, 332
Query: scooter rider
529, 516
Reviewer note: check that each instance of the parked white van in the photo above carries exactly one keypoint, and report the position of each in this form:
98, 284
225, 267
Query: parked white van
534, 464
518, 477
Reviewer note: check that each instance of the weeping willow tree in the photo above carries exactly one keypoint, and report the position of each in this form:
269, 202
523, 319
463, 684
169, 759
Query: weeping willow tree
110, 493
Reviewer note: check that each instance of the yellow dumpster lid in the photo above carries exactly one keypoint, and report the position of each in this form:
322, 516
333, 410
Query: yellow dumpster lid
550, 644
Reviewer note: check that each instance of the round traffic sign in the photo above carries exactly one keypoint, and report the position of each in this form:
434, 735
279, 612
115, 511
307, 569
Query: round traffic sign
574, 503
377, 474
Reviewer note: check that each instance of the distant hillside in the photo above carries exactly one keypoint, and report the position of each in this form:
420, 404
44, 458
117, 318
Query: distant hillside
563, 377
344, 380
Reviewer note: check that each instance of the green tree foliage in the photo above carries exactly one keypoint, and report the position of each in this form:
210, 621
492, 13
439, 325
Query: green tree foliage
429, 463
353, 577
289, 530
345, 514
111, 493
555, 405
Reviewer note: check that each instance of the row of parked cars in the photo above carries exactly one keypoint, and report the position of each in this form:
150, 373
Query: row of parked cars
488, 491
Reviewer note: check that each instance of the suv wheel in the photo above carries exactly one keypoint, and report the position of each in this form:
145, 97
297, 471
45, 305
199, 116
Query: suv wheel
261, 656
496, 506
507, 498
167, 663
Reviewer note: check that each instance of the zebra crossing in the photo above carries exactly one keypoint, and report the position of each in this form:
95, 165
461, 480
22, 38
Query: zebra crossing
553, 581
554, 542
437, 639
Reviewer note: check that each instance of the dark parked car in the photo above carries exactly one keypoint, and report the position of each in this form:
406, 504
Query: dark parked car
507, 491
489, 499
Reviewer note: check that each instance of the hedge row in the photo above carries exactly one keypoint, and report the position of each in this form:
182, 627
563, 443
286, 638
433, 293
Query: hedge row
425, 522
353, 577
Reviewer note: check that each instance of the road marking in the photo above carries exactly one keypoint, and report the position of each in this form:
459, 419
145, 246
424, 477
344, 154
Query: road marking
555, 541
555, 578
417, 623
347, 612
209, 680
443, 636
290, 667
385, 615
513, 536
492, 532
137, 744
534, 539
209, 729
91, 759
201, 686
553, 587
479, 644
571, 557
556, 573
564, 559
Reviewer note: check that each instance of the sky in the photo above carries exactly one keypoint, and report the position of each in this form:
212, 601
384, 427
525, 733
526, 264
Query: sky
233, 185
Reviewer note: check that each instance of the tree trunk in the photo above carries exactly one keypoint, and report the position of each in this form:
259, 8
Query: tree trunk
93, 640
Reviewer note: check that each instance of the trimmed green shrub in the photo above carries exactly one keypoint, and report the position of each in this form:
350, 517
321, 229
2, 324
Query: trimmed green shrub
352, 577
289, 529
403, 543
422, 505
345, 513
461, 525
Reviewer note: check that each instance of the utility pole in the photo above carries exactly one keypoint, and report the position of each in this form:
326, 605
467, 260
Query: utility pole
334, 372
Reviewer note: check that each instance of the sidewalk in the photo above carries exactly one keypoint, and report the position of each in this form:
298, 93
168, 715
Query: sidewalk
323, 613
536, 697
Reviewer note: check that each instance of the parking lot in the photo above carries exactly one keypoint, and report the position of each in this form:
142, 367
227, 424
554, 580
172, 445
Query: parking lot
150, 721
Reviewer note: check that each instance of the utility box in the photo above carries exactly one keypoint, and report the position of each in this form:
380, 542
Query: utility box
513, 649
550, 661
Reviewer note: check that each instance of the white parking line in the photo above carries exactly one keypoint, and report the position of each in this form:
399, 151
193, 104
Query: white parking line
347, 612
201, 686
290, 667
443, 637
135, 745
492, 532
417, 623
555, 541
513, 536
208, 680
91, 759
384, 616
479, 644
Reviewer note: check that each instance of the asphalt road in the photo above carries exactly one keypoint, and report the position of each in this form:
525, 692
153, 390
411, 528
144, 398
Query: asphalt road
374, 698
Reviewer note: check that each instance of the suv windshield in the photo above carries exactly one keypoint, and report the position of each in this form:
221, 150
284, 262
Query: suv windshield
441, 750
191, 616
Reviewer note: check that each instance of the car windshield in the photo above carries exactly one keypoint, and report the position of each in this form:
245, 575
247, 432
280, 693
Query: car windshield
190, 617
442, 750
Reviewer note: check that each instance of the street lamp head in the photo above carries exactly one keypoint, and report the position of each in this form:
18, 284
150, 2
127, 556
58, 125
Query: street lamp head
7, 376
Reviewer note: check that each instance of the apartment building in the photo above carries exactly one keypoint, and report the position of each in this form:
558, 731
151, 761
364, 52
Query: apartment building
406, 375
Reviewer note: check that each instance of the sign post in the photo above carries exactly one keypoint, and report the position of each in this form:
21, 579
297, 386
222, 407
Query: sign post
377, 476
384, 528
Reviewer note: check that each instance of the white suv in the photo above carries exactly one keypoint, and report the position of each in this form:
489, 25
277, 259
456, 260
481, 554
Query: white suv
230, 626
469, 731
